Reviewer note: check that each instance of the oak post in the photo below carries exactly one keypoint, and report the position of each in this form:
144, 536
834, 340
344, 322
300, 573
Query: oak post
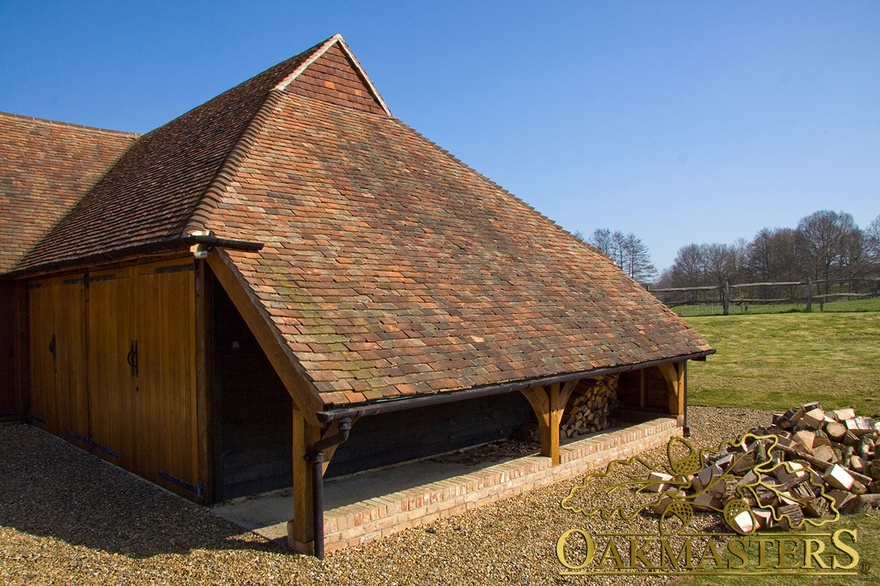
204, 369
549, 406
674, 375
300, 530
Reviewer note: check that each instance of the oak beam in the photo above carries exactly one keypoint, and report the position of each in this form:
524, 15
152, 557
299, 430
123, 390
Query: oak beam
674, 374
204, 387
305, 397
329, 452
548, 403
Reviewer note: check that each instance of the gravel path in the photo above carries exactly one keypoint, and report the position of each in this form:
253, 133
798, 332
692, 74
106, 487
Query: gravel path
67, 517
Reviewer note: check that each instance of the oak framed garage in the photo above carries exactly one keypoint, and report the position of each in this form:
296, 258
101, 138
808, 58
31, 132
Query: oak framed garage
288, 281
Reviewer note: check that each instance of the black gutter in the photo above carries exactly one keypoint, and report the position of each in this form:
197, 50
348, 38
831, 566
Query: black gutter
316, 457
404, 403
212, 240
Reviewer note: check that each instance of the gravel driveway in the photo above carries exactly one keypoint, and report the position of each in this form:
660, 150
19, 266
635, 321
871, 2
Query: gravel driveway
67, 517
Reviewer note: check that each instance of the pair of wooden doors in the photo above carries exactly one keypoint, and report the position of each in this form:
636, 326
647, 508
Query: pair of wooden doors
113, 367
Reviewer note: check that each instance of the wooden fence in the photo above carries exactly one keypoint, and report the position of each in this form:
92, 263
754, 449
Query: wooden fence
807, 292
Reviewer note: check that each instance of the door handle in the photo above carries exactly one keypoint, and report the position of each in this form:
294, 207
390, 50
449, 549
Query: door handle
132, 358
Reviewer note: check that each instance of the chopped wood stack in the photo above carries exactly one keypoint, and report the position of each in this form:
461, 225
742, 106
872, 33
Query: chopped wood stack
590, 406
821, 462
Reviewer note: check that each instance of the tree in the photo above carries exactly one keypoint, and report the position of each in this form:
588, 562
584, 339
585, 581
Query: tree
686, 269
872, 241
719, 264
636, 260
607, 242
772, 256
827, 240
627, 251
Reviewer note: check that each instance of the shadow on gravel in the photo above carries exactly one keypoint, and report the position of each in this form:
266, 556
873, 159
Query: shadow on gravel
50, 488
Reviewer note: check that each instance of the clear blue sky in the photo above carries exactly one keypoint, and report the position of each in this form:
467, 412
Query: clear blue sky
679, 121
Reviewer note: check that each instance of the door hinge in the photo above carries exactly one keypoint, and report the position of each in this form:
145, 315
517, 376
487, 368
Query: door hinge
196, 489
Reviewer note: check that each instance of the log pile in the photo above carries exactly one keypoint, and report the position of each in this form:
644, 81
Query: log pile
590, 406
808, 464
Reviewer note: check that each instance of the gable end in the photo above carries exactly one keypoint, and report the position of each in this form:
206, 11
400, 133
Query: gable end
336, 78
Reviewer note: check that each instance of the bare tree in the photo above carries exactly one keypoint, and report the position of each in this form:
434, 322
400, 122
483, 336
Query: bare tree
686, 270
872, 241
607, 242
627, 251
773, 256
719, 263
827, 240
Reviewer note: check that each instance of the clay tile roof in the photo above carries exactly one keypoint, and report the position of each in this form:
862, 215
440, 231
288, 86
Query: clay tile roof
393, 269
150, 194
390, 268
45, 168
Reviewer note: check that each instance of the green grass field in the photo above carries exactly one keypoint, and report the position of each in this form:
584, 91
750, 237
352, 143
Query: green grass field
776, 361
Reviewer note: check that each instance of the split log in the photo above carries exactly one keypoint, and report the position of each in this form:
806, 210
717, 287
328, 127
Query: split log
657, 481
838, 477
742, 523
817, 507
836, 431
825, 453
790, 516
857, 506
851, 439
821, 464
843, 414
806, 439
860, 425
874, 499
840, 497
814, 419
764, 518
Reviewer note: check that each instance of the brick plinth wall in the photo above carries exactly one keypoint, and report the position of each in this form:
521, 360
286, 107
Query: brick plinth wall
379, 517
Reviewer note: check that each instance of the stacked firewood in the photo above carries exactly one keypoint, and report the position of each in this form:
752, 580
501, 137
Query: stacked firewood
808, 464
590, 406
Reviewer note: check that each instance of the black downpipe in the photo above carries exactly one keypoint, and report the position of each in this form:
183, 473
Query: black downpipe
316, 457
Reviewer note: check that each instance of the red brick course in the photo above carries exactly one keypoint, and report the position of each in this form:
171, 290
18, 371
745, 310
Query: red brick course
379, 517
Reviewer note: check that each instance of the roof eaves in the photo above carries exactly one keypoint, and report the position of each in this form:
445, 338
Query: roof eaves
335, 39
404, 403
145, 248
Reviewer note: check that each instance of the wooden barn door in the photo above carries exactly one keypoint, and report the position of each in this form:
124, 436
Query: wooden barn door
142, 370
165, 416
113, 368
59, 383
110, 363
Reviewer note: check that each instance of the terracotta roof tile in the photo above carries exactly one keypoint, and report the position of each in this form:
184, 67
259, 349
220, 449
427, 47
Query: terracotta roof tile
418, 263
151, 192
45, 168
390, 268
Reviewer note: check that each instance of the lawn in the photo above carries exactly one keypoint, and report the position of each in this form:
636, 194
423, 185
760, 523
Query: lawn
775, 361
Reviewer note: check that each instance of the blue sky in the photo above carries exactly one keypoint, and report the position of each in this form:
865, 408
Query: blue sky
679, 121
